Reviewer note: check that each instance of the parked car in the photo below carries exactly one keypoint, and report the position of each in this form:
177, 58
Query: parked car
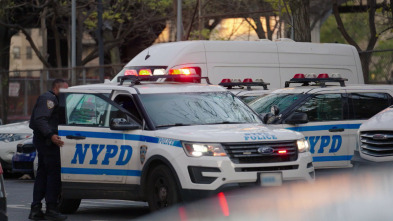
375, 141
22, 161
10, 136
329, 115
3, 198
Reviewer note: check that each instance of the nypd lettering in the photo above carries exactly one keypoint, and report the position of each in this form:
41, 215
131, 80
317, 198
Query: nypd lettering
122, 155
166, 141
330, 144
259, 136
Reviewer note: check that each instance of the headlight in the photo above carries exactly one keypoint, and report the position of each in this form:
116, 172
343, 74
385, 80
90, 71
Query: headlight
13, 137
203, 149
303, 145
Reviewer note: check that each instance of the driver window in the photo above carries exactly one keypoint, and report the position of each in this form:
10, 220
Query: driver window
126, 102
88, 110
323, 107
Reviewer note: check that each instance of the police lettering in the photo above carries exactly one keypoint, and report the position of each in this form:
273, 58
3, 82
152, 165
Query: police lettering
259, 136
333, 142
110, 152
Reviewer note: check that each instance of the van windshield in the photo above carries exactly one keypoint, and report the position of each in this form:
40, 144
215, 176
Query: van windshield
186, 109
283, 101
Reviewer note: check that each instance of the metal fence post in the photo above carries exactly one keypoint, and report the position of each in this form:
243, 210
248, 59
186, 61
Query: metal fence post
26, 100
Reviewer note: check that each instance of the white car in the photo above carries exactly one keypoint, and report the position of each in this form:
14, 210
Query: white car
329, 115
167, 142
248, 89
10, 136
375, 140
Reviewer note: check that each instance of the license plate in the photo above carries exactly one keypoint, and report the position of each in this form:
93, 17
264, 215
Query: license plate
270, 179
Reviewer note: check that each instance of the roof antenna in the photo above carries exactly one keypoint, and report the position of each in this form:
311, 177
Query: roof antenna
148, 55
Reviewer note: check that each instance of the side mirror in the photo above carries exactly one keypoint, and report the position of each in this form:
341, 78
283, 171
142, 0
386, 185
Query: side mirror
297, 118
123, 124
275, 110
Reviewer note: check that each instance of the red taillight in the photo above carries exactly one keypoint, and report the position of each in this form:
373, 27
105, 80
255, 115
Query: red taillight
282, 152
247, 80
130, 72
299, 76
226, 80
144, 72
323, 75
1, 169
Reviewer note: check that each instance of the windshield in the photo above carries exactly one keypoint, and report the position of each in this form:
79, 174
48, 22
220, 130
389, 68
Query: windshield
197, 109
283, 101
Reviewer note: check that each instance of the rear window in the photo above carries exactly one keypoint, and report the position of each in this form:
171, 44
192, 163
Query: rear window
366, 105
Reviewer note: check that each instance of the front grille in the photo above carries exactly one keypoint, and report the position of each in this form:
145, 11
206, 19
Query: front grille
23, 165
242, 153
377, 143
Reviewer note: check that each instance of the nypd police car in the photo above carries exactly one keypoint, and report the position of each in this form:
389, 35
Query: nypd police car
328, 113
168, 142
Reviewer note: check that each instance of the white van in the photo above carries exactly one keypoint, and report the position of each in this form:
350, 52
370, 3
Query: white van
274, 62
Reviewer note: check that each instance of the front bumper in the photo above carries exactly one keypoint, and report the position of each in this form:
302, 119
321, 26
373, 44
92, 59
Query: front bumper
234, 175
360, 159
23, 163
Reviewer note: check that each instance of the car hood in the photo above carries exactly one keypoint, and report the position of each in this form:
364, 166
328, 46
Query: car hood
228, 133
381, 121
22, 127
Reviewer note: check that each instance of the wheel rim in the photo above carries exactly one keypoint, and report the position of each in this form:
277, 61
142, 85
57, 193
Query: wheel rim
161, 193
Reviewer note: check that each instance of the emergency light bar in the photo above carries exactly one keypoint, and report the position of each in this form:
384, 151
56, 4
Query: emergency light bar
321, 79
137, 79
248, 82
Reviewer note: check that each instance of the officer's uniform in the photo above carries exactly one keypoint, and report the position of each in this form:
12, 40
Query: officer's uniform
44, 121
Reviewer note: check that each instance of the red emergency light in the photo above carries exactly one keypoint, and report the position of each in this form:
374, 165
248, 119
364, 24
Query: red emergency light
130, 72
282, 152
323, 75
299, 75
247, 80
226, 80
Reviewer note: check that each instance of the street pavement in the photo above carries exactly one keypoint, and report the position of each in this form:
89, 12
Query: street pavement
19, 197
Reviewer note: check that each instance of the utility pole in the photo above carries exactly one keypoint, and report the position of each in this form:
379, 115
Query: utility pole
179, 27
73, 42
44, 74
100, 42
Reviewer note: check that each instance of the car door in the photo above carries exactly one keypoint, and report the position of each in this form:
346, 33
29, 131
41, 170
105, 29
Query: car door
362, 106
92, 151
327, 129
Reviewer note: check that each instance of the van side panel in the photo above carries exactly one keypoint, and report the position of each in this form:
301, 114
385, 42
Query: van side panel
239, 60
317, 58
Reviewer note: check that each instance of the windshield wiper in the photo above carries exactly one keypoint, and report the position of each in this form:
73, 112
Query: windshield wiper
173, 125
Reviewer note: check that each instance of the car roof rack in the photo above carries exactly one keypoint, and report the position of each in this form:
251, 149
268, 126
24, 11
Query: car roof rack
319, 81
229, 85
135, 80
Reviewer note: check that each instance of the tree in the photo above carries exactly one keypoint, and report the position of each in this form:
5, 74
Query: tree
385, 23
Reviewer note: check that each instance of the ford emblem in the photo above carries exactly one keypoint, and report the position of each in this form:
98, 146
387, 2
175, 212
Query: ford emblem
265, 150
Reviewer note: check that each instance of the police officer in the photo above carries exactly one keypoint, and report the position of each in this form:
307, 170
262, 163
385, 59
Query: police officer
44, 121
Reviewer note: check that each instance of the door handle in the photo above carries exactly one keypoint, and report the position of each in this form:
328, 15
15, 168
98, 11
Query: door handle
72, 137
335, 129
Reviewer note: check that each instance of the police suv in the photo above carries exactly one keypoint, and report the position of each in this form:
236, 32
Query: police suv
326, 111
167, 142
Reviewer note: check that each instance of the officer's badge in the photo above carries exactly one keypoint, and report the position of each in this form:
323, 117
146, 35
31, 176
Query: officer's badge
50, 104
143, 152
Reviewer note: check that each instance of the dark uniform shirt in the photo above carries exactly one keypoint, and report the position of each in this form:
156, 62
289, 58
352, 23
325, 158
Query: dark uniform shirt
44, 121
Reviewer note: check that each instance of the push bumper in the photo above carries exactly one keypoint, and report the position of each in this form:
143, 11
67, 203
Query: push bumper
358, 161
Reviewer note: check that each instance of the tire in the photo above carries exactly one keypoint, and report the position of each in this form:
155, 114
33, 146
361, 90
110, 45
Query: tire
68, 206
162, 189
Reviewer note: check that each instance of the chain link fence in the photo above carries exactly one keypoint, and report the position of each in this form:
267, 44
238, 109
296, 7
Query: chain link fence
380, 65
26, 85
